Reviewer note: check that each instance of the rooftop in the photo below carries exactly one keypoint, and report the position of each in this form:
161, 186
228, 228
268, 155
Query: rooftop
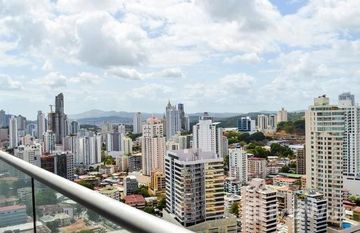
134, 198
192, 155
12, 207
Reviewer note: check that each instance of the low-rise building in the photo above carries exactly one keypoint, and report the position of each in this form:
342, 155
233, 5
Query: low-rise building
12, 215
137, 201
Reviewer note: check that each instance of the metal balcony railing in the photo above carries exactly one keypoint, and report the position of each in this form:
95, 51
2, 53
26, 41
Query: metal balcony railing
19, 207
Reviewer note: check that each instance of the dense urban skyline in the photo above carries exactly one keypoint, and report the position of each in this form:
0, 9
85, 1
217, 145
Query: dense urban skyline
271, 54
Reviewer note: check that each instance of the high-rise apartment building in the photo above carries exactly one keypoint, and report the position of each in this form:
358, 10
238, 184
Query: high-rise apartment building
351, 158
153, 146
300, 159
194, 186
13, 132
310, 212
49, 142
41, 125
74, 127
209, 137
259, 207
325, 131
173, 121
3, 122
282, 115
238, 164
256, 168
88, 150
246, 124
29, 153
57, 120
21, 122
137, 123
262, 122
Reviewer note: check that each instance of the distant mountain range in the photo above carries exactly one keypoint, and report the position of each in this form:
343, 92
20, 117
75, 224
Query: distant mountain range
98, 117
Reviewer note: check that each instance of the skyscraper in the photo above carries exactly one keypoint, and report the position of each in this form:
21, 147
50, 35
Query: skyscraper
2, 118
41, 125
13, 132
58, 119
74, 127
208, 136
194, 186
238, 164
173, 122
324, 124
262, 122
183, 119
137, 123
246, 124
153, 146
351, 162
282, 115
259, 207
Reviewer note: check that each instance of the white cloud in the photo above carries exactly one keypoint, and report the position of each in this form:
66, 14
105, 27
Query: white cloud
133, 74
53, 80
85, 78
251, 58
9, 84
125, 73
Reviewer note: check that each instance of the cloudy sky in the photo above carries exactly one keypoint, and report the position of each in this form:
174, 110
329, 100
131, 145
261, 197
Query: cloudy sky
212, 55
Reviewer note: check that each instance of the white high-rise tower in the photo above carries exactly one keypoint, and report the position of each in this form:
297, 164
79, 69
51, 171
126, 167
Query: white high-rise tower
137, 123
41, 125
324, 137
13, 132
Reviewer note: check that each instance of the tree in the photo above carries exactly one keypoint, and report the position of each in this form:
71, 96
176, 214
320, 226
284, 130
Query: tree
257, 136
162, 203
285, 169
143, 190
234, 209
45, 197
149, 209
87, 184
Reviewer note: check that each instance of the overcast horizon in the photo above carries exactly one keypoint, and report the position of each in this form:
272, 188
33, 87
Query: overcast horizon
215, 56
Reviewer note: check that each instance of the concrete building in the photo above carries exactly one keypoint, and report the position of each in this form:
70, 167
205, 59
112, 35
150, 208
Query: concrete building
29, 153
173, 120
246, 124
137, 123
351, 159
232, 185
157, 184
300, 159
310, 212
12, 215
13, 132
41, 125
324, 124
262, 122
238, 164
135, 162
57, 120
259, 207
194, 186
208, 137
282, 116
111, 192
131, 185
88, 150
256, 168
153, 146
127, 145
74, 127
49, 141
64, 165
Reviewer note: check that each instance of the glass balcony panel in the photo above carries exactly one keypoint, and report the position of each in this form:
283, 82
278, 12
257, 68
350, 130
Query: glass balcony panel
16, 212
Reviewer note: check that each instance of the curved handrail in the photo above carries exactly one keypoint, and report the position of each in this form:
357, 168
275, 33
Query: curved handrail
125, 216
